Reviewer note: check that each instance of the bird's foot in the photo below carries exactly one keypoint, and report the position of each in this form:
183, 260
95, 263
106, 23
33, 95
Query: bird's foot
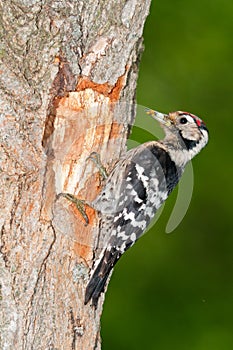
79, 203
95, 157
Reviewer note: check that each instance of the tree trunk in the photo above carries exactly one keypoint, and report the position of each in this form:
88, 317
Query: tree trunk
67, 67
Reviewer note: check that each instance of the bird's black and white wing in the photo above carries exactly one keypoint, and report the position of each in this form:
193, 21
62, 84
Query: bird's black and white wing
135, 189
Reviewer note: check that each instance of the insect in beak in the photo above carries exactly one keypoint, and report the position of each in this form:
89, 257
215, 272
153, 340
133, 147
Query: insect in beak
160, 117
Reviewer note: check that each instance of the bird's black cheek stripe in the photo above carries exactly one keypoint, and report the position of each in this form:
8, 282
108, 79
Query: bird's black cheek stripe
189, 144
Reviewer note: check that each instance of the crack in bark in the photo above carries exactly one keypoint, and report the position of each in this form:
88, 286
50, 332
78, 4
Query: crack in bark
13, 210
73, 329
4, 254
63, 83
97, 339
35, 318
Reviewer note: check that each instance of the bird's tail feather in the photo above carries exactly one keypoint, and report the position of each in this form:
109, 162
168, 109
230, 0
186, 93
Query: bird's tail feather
98, 279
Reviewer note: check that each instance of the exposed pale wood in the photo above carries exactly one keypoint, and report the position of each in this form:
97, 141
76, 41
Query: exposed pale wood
67, 69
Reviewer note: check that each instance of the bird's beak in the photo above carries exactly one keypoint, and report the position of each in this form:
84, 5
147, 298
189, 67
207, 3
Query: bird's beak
160, 117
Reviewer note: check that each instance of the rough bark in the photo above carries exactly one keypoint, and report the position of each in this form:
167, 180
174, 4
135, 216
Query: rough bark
67, 67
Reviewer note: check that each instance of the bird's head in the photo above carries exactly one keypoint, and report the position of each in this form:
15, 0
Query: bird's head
184, 131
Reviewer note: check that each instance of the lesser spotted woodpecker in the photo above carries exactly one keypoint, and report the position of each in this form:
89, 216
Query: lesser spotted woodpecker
137, 187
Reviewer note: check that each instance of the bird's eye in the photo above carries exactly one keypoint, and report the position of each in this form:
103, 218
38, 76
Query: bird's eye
183, 120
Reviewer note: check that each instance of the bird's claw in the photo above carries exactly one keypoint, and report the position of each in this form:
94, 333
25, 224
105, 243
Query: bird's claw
95, 157
79, 203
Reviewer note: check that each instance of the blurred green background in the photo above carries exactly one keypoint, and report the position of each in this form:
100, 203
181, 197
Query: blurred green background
175, 291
